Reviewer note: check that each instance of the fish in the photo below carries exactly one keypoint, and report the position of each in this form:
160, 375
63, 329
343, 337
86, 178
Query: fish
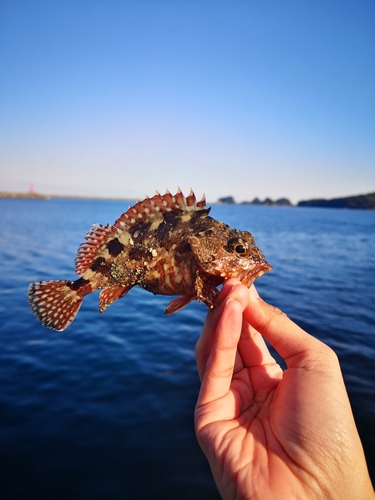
167, 244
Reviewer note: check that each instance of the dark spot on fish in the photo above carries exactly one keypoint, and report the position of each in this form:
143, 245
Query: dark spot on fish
170, 218
82, 286
183, 248
150, 285
201, 215
76, 285
100, 261
115, 247
140, 253
170, 222
139, 231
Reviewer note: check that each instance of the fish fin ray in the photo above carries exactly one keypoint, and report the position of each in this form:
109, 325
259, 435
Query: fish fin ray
110, 295
54, 303
88, 251
177, 304
152, 208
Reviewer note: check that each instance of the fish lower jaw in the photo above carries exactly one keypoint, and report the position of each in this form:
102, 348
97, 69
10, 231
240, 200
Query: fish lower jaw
259, 270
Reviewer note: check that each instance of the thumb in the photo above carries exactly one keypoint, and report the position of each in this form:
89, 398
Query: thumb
298, 348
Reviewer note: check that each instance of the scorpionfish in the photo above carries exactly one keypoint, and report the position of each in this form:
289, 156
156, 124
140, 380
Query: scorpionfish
166, 244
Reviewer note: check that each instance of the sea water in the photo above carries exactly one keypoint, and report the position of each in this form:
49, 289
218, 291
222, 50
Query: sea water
105, 409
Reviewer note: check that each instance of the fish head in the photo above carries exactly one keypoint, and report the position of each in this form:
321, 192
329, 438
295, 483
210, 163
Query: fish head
229, 255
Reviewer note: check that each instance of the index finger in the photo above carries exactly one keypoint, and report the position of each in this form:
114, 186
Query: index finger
231, 289
219, 369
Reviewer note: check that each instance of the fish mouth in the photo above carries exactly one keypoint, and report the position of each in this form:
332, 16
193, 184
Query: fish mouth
259, 269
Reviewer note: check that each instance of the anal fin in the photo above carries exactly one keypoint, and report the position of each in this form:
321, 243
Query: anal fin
177, 304
109, 295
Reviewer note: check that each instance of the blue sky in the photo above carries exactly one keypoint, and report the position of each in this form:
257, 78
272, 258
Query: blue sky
244, 98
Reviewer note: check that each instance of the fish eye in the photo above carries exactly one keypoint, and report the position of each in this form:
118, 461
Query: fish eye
240, 249
238, 246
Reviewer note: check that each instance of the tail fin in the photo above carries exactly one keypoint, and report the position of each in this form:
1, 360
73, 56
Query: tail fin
55, 303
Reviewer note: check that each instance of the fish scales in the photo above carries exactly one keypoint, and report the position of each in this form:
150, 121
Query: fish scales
167, 245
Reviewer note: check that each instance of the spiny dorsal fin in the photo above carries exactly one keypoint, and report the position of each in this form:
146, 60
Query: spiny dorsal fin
150, 208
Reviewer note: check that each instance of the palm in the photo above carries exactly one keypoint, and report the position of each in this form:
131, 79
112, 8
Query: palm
268, 433
254, 423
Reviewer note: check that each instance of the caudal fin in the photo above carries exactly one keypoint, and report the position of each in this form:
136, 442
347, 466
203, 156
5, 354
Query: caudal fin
55, 303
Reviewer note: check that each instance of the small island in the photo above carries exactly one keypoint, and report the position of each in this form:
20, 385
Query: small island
282, 202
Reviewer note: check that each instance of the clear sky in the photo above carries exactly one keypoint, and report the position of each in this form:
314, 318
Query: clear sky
239, 97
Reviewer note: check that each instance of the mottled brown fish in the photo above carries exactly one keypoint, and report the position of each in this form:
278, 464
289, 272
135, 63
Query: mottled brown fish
167, 245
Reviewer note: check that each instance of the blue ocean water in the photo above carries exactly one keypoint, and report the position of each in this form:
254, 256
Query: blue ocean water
104, 410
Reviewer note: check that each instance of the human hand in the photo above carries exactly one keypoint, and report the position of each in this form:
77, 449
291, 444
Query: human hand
267, 433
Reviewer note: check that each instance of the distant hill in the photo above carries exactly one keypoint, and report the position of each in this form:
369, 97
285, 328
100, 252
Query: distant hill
362, 201
226, 200
282, 202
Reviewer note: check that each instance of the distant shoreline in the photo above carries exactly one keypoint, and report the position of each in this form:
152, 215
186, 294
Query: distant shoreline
361, 202
38, 196
6, 194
